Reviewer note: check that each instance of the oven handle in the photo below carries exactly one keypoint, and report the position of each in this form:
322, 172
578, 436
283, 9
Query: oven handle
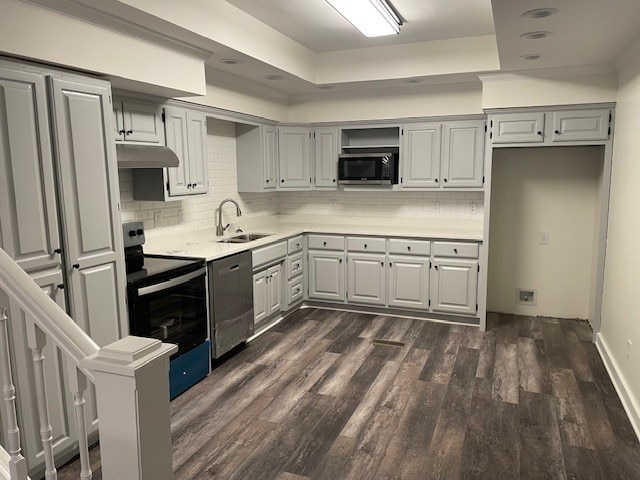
170, 283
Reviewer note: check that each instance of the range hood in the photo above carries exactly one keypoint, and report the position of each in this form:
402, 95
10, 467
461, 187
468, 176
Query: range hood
145, 156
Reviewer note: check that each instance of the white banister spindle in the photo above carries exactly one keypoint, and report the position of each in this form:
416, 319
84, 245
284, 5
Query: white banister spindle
17, 464
77, 385
36, 340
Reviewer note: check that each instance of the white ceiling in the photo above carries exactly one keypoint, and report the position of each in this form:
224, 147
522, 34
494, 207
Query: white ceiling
316, 25
585, 32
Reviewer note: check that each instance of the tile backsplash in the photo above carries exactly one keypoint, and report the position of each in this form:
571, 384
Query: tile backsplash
200, 212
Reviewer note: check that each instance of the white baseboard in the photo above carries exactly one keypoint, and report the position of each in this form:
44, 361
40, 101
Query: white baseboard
628, 401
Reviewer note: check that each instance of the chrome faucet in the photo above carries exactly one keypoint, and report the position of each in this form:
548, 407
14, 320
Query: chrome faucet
219, 228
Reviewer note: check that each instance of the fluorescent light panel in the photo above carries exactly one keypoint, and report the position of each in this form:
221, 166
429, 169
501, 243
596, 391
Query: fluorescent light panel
374, 18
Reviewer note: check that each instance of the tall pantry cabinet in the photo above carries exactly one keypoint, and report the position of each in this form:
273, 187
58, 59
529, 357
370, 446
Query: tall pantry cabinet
59, 220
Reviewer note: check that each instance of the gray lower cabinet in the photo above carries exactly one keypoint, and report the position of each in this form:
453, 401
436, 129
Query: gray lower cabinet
421, 155
294, 155
577, 125
408, 282
367, 278
268, 288
454, 286
327, 275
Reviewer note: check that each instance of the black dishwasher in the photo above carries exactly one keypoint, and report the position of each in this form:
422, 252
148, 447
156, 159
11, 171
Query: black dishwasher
231, 301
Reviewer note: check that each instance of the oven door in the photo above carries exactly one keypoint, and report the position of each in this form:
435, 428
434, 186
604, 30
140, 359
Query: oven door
173, 310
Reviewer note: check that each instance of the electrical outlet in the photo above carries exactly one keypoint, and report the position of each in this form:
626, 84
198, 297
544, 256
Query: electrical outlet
526, 296
157, 218
629, 348
544, 238
473, 208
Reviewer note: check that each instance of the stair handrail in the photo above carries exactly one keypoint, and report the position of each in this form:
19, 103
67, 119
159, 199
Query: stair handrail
46, 313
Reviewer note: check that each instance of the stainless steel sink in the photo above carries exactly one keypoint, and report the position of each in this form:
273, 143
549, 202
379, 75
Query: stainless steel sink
244, 238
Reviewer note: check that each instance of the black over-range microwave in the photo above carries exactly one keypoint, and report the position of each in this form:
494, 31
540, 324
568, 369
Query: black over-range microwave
368, 168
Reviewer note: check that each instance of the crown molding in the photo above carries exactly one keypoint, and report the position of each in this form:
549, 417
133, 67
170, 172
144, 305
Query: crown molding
239, 83
79, 10
547, 73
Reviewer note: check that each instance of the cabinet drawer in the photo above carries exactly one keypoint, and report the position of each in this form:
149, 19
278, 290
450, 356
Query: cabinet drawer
188, 369
409, 247
366, 244
269, 254
456, 249
294, 265
294, 244
294, 291
326, 242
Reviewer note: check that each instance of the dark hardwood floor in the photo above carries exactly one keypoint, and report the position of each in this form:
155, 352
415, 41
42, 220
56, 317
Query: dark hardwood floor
318, 397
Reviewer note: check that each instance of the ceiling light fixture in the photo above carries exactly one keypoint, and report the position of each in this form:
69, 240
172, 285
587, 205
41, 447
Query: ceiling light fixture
374, 18
532, 56
231, 61
535, 35
273, 77
540, 13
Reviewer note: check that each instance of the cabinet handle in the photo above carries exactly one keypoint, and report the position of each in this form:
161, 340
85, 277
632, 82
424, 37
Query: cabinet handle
60, 287
57, 250
390, 264
121, 132
340, 260
557, 132
297, 245
382, 264
445, 180
409, 248
76, 266
267, 180
128, 132
282, 181
334, 180
539, 133
455, 250
435, 266
365, 245
324, 244
436, 180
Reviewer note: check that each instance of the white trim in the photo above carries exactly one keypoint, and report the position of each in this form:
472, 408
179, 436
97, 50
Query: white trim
629, 402
547, 73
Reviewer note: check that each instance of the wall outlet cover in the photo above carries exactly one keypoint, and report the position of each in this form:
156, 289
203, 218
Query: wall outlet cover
526, 296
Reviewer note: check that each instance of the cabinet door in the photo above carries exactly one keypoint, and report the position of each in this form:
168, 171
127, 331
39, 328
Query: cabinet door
367, 279
198, 157
408, 282
59, 397
421, 155
90, 203
518, 128
142, 123
176, 133
294, 157
579, 125
274, 275
326, 276
269, 157
260, 297
454, 286
326, 156
28, 205
118, 121
463, 154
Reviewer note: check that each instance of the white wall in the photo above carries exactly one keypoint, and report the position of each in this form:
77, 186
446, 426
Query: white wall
543, 88
40, 34
376, 104
199, 212
621, 316
535, 190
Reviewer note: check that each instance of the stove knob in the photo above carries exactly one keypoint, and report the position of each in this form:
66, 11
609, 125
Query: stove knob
132, 233
139, 231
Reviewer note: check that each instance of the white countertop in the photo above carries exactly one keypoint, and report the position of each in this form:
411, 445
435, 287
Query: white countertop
203, 243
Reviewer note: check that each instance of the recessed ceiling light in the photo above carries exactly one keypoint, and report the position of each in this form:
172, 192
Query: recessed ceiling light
540, 13
326, 87
273, 77
535, 35
231, 61
413, 80
532, 56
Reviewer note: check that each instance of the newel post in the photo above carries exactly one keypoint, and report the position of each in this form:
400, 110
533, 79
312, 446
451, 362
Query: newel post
132, 389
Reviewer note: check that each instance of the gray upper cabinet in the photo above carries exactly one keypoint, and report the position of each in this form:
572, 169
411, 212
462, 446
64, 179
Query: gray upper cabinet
577, 125
176, 137
367, 278
326, 157
525, 127
454, 286
197, 148
28, 206
463, 154
138, 122
256, 157
294, 151
88, 184
421, 155
327, 276
408, 282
